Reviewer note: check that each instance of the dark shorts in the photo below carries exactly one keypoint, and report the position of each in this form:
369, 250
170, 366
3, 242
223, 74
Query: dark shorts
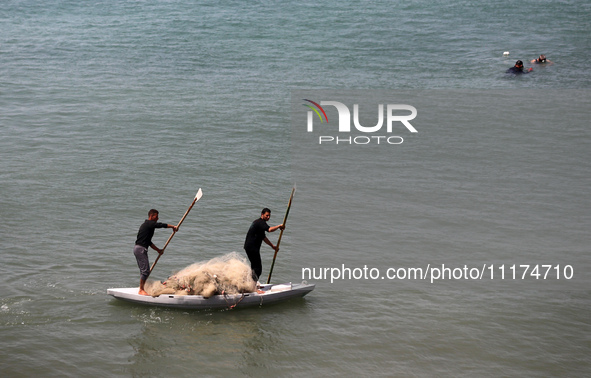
141, 255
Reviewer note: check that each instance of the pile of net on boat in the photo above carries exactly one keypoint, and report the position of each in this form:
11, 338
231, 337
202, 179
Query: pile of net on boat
229, 274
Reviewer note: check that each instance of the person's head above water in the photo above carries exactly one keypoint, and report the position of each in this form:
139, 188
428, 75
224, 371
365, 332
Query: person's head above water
518, 68
541, 60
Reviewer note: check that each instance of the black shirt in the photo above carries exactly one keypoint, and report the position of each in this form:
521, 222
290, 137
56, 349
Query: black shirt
516, 71
144, 235
256, 234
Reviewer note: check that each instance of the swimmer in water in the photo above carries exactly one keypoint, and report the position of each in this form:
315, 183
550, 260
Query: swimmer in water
542, 60
518, 68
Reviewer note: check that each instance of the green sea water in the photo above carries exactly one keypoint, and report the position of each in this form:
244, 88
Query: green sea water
108, 109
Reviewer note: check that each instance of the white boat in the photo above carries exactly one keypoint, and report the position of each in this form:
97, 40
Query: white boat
267, 294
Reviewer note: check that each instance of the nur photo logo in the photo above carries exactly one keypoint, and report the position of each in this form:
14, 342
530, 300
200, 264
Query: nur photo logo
396, 115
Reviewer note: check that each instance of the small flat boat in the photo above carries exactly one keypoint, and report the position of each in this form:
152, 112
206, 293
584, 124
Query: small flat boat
267, 294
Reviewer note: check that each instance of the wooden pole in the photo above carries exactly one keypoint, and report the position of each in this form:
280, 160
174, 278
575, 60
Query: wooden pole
281, 234
197, 197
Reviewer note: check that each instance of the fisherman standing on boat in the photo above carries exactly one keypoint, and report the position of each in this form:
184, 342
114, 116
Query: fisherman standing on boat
144, 240
254, 239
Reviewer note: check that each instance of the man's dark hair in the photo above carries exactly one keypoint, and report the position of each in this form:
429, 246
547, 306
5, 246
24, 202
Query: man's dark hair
152, 211
265, 210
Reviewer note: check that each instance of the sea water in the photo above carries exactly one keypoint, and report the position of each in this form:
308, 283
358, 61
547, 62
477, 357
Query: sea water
108, 109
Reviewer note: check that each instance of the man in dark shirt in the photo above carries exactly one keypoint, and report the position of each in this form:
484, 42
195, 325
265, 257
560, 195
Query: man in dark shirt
255, 238
143, 241
518, 68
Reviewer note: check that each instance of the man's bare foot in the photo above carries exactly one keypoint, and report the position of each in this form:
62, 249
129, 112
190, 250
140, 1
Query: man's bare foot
142, 292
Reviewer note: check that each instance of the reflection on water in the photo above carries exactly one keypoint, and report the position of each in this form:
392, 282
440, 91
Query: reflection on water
213, 342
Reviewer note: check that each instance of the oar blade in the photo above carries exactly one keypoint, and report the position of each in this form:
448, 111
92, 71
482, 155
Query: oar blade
198, 195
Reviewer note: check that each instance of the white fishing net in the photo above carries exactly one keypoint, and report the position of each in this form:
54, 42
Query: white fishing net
229, 274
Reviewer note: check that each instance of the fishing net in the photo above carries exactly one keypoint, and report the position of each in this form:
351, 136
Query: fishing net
229, 274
